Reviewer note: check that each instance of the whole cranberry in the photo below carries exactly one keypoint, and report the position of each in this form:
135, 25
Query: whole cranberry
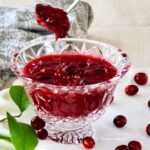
122, 147
42, 134
72, 70
131, 90
141, 78
37, 123
88, 142
148, 103
120, 121
134, 145
148, 129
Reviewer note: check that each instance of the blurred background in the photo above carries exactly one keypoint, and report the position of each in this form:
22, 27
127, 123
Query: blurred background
123, 23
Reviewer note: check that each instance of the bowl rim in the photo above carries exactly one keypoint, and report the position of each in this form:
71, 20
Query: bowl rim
38, 41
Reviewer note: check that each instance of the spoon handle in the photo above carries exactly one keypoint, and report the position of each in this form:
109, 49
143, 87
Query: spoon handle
72, 5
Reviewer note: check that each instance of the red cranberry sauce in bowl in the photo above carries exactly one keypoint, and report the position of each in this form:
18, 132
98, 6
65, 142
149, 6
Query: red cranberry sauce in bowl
69, 70
70, 77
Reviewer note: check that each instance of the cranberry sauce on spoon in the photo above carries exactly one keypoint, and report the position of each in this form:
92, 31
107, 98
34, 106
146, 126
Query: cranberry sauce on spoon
52, 19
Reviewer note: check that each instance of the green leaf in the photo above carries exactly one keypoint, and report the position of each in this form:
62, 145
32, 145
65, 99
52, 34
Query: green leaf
4, 137
23, 136
20, 97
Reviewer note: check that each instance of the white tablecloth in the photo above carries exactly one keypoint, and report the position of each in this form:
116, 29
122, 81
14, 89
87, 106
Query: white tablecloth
107, 136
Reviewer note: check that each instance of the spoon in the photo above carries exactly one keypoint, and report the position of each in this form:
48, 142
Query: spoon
72, 5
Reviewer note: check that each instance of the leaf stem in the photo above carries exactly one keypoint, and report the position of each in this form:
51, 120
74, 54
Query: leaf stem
17, 116
4, 137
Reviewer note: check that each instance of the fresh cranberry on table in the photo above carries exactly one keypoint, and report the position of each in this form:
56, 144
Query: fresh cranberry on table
120, 121
148, 103
131, 90
148, 129
122, 147
37, 123
42, 134
134, 145
88, 142
141, 78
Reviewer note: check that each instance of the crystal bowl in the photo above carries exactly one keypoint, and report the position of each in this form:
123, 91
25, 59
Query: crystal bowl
70, 111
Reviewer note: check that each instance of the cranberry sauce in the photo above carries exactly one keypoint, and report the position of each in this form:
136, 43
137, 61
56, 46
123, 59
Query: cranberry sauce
53, 19
69, 70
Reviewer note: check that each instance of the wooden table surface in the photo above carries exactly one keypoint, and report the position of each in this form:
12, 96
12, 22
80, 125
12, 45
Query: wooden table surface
123, 23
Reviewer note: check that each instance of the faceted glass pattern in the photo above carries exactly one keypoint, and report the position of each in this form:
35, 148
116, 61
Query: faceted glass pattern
70, 129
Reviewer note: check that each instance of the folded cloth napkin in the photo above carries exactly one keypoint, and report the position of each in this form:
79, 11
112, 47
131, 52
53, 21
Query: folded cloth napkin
18, 26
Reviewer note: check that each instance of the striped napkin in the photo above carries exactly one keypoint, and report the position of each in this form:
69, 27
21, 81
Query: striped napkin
18, 26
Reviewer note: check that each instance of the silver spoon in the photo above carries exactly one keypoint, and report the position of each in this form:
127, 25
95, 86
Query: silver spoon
72, 5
